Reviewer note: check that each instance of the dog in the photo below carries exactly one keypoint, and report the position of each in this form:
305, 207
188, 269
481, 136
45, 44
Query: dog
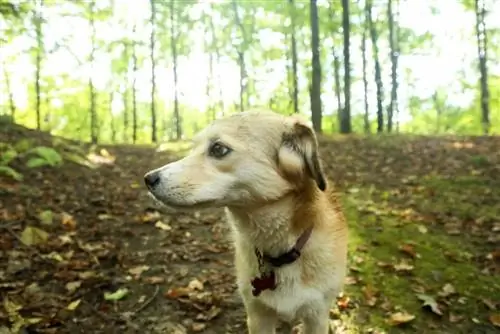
289, 230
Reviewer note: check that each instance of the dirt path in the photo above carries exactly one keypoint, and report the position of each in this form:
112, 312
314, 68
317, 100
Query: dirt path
425, 245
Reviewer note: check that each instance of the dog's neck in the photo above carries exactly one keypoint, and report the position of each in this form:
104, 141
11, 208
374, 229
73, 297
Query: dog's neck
273, 228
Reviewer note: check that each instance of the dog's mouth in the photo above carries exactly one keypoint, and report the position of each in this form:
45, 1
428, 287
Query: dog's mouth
176, 206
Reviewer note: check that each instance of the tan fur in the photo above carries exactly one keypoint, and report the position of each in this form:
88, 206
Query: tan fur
273, 188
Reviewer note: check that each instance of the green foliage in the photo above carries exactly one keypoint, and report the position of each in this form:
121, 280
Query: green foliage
45, 156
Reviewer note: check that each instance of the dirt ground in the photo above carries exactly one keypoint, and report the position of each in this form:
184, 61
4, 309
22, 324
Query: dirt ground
424, 242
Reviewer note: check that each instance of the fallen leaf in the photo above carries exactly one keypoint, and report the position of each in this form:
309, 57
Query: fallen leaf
490, 304
46, 217
369, 293
422, 229
408, 250
177, 292
195, 285
137, 271
343, 302
455, 318
104, 216
117, 295
495, 319
400, 318
430, 302
73, 286
154, 279
33, 236
68, 221
447, 290
73, 305
198, 326
162, 226
403, 266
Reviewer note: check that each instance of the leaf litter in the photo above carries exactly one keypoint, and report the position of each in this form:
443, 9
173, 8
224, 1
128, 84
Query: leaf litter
103, 255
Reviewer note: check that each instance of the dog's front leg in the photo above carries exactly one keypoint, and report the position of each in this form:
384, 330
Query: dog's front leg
317, 321
260, 319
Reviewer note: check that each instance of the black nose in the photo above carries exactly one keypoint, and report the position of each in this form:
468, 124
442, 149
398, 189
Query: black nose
152, 179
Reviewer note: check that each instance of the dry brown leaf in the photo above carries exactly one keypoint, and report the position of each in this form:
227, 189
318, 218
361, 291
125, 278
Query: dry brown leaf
408, 250
447, 290
403, 266
68, 221
400, 318
195, 285
495, 319
154, 279
137, 271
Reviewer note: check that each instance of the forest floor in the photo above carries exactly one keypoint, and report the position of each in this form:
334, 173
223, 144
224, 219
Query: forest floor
82, 249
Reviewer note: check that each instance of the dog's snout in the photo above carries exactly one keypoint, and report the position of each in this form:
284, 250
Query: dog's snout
152, 179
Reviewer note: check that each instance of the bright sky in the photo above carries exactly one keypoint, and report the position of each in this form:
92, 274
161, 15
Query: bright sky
454, 50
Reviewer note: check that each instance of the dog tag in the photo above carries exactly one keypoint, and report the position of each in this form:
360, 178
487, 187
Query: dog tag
266, 281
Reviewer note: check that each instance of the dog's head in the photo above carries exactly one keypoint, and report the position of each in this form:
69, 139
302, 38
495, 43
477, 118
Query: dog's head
247, 159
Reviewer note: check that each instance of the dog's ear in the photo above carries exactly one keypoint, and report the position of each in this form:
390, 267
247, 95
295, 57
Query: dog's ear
298, 155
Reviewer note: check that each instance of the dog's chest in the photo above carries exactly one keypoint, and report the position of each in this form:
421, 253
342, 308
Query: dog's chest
290, 295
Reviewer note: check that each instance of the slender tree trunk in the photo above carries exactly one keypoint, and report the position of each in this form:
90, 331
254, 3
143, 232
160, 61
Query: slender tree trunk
134, 88
482, 48
378, 70
439, 110
396, 36
345, 125
394, 53
125, 93
38, 65
173, 43
93, 105
209, 108
315, 89
241, 58
12, 104
295, 85
338, 88
112, 118
215, 46
154, 138
366, 117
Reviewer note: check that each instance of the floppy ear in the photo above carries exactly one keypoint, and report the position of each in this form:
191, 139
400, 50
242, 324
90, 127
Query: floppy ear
298, 155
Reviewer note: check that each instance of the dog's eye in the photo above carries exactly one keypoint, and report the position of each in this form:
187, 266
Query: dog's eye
218, 150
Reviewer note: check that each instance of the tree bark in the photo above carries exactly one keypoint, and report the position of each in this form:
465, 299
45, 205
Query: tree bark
241, 58
345, 124
295, 86
338, 88
38, 66
12, 105
154, 138
394, 53
366, 118
482, 48
315, 90
217, 60
173, 43
134, 87
378, 70
93, 105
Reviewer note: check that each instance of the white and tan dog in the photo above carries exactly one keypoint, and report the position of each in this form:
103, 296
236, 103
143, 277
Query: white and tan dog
290, 235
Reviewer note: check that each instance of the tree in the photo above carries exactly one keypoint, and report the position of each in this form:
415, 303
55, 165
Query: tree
152, 21
378, 70
366, 118
38, 22
394, 54
345, 120
174, 37
93, 107
315, 88
482, 48
293, 40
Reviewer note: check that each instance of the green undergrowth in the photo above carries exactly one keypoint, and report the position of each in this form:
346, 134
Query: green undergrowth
401, 266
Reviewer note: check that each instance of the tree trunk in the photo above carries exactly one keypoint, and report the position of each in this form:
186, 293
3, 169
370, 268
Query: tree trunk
93, 105
338, 88
241, 58
112, 119
378, 70
394, 53
295, 85
12, 105
173, 43
134, 88
366, 117
482, 48
210, 78
345, 124
38, 65
315, 90
217, 60
153, 72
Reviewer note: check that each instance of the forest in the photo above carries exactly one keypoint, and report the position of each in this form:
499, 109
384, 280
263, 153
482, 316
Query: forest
112, 71
403, 94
